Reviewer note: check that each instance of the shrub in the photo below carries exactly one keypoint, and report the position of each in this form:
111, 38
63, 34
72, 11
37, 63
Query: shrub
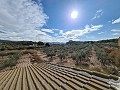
12, 60
61, 56
3, 54
47, 45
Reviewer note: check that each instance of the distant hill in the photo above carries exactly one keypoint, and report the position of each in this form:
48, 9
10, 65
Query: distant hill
4, 40
79, 42
108, 40
55, 42
69, 42
100, 41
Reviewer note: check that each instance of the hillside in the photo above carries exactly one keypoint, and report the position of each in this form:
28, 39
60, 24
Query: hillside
101, 57
74, 66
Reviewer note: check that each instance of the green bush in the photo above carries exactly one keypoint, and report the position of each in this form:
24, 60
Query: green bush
11, 61
102, 55
3, 54
80, 55
61, 56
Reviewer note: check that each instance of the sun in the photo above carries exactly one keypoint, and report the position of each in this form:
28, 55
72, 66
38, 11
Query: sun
74, 14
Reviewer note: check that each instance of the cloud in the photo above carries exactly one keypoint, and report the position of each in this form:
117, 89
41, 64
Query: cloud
116, 34
24, 20
47, 30
74, 34
115, 30
116, 21
21, 20
101, 32
98, 14
91, 38
55, 29
69, 35
61, 32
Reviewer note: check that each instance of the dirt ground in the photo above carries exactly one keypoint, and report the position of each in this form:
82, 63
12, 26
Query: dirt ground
56, 60
24, 61
94, 62
4, 58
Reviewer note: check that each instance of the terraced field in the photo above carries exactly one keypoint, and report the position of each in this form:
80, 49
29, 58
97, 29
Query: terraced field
47, 76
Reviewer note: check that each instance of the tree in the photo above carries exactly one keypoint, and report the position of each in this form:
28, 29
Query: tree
40, 43
47, 45
61, 56
77, 57
3, 54
50, 52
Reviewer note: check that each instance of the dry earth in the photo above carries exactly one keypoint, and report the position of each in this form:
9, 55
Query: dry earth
94, 62
24, 61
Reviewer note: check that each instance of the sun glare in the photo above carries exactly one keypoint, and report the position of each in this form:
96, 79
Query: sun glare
74, 14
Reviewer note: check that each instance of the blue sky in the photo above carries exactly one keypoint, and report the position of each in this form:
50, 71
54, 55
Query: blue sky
50, 20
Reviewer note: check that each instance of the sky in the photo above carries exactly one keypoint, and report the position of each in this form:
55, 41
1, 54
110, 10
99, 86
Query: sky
51, 21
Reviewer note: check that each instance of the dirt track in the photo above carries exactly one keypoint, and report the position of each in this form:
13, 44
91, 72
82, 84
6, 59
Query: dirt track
94, 62
24, 61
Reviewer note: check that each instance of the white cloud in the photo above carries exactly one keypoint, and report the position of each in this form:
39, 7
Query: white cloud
101, 32
55, 29
99, 11
74, 34
91, 38
61, 32
19, 19
116, 21
98, 14
115, 30
116, 34
55, 34
69, 35
47, 30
